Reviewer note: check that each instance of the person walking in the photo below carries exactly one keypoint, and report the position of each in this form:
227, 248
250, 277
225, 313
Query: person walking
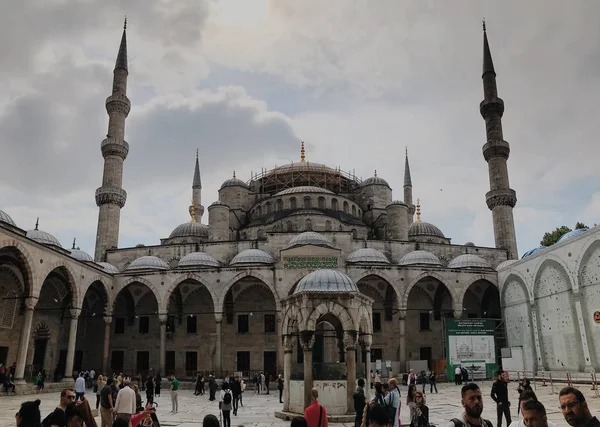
100, 383
280, 387
125, 404
225, 404
432, 382
157, 382
392, 402
500, 395
236, 389
267, 380
174, 391
79, 387
150, 389
315, 414
106, 404
420, 417
359, 402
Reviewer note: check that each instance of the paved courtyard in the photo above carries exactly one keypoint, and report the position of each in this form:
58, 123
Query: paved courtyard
258, 409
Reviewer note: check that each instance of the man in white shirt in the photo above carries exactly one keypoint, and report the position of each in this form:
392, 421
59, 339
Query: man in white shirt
125, 405
79, 387
392, 400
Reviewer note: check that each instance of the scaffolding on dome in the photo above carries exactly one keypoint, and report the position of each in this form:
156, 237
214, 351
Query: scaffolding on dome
304, 174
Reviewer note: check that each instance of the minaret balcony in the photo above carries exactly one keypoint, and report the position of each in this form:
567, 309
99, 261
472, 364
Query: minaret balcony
493, 106
496, 148
111, 195
114, 147
501, 197
118, 103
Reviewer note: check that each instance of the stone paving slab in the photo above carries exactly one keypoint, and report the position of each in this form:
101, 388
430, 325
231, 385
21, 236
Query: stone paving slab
258, 410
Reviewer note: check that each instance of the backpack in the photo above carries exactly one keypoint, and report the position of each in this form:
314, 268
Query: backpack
359, 402
227, 398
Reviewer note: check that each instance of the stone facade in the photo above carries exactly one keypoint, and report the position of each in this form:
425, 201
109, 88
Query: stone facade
549, 301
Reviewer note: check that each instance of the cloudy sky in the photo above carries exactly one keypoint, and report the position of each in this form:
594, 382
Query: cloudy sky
245, 81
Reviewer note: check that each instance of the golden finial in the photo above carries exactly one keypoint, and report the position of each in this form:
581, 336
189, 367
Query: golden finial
302, 152
192, 212
234, 175
375, 173
418, 210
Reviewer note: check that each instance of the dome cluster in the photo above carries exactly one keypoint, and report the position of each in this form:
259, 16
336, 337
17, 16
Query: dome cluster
326, 281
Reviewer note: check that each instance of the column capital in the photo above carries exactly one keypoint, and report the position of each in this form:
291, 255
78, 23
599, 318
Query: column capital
107, 319
366, 340
350, 340
402, 314
308, 340
162, 318
458, 314
30, 303
218, 317
288, 343
75, 312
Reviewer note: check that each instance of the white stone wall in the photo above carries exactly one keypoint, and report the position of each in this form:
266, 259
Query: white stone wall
332, 395
549, 301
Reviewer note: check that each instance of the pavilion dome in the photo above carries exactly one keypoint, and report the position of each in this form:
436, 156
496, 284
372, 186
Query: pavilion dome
148, 262
234, 182
506, 263
470, 244
468, 261
572, 234
310, 238
198, 259
304, 189
4, 217
326, 281
43, 237
190, 229
420, 258
367, 256
534, 250
252, 256
109, 268
424, 229
80, 255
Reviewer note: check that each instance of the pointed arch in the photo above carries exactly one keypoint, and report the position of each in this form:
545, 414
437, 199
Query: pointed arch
475, 278
434, 275
586, 251
550, 261
105, 287
149, 284
69, 276
184, 278
24, 257
220, 300
334, 309
292, 320
364, 321
514, 277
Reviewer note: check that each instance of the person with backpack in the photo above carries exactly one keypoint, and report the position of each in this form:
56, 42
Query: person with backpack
472, 402
392, 402
359, 402
315, 414
225, 404
376, 401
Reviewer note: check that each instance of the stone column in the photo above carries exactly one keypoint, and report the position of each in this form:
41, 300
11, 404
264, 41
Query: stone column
75, 312
107, 326
307, 346
582, 333
288, 352
350, 346
402, 340
539, 362
368, 372
25, 338
162, 321
280, 347
218, 362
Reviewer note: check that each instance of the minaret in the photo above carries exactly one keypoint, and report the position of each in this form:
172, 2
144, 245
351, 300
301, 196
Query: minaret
110, 198
408, 196
501, 199
197, 194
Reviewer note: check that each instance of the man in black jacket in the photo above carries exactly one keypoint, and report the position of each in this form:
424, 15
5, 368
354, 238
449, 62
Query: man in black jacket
500, 396
359, 402
236, 389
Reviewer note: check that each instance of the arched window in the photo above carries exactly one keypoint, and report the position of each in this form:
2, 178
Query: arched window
292, 203
268, 207
353, 210
346, 207
308, 225
327, 225
279, 205
334, 204
321, 202
289, 226
307, 203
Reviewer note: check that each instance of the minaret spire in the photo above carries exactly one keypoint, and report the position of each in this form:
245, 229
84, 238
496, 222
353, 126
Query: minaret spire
501, 199
111, 197
196, 194
408, 194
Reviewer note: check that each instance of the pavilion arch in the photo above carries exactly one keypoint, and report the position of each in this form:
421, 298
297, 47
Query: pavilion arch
188, 277
64, 268
362, 322
26, 260
477, 278
149, 284
333, 309
220, 300
292, 320
434, 275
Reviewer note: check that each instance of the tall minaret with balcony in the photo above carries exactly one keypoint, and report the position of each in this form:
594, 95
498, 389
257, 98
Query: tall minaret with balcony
408, 193
501, 199
110, 198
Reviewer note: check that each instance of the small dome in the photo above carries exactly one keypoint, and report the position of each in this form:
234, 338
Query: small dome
331, 281
424, 229
375, 180
367, 256
470, 244
198, 259
397, 202
217, 203
109, 268
4, 217
310, 238
303, 189
43, 238
572, 234
532, 251
252, 256
469, 261
234, 182
140, 245
148, 263
80, 255
505, 264
190, 229
420, 258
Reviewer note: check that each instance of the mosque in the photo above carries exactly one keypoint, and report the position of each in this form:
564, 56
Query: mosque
211, 297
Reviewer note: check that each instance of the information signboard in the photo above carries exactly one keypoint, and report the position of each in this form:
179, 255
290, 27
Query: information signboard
471, 343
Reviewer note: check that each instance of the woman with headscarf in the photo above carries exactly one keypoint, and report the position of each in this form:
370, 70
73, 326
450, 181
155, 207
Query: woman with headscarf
29, 414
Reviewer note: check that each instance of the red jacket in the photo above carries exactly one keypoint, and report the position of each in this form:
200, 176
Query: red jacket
312, 414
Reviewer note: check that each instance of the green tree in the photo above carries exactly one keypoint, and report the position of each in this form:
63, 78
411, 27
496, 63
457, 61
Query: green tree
552, 237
